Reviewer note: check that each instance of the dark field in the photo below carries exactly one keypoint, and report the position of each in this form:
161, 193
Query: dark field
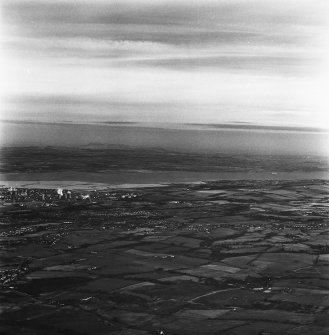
230, 257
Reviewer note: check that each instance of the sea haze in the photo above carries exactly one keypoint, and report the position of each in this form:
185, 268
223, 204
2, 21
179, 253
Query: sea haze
233, 138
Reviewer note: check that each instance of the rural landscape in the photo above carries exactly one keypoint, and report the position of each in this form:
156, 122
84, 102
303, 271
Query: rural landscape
214, 257
164, 167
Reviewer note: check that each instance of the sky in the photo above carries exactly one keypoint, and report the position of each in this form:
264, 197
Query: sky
223, 61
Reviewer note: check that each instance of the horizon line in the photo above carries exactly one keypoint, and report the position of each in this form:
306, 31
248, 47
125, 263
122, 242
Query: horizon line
214, 126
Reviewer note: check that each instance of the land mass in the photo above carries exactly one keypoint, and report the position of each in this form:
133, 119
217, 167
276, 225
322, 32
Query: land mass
246, 255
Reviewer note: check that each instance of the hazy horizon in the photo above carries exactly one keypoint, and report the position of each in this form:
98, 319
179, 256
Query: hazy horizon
190, 138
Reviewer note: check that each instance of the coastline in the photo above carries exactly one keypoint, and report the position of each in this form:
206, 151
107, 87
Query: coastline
137, 179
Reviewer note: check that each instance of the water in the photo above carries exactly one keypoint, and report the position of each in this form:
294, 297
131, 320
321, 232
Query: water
78, 180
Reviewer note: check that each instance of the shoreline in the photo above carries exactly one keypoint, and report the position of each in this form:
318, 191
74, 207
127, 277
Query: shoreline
126, 180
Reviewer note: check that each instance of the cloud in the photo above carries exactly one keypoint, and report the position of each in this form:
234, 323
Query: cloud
180, 35
166, 22
198, 59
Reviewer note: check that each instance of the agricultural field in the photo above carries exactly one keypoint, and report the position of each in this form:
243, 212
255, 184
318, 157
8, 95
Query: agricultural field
225, 257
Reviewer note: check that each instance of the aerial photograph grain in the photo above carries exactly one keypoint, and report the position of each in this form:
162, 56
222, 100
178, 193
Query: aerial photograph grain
164, 167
